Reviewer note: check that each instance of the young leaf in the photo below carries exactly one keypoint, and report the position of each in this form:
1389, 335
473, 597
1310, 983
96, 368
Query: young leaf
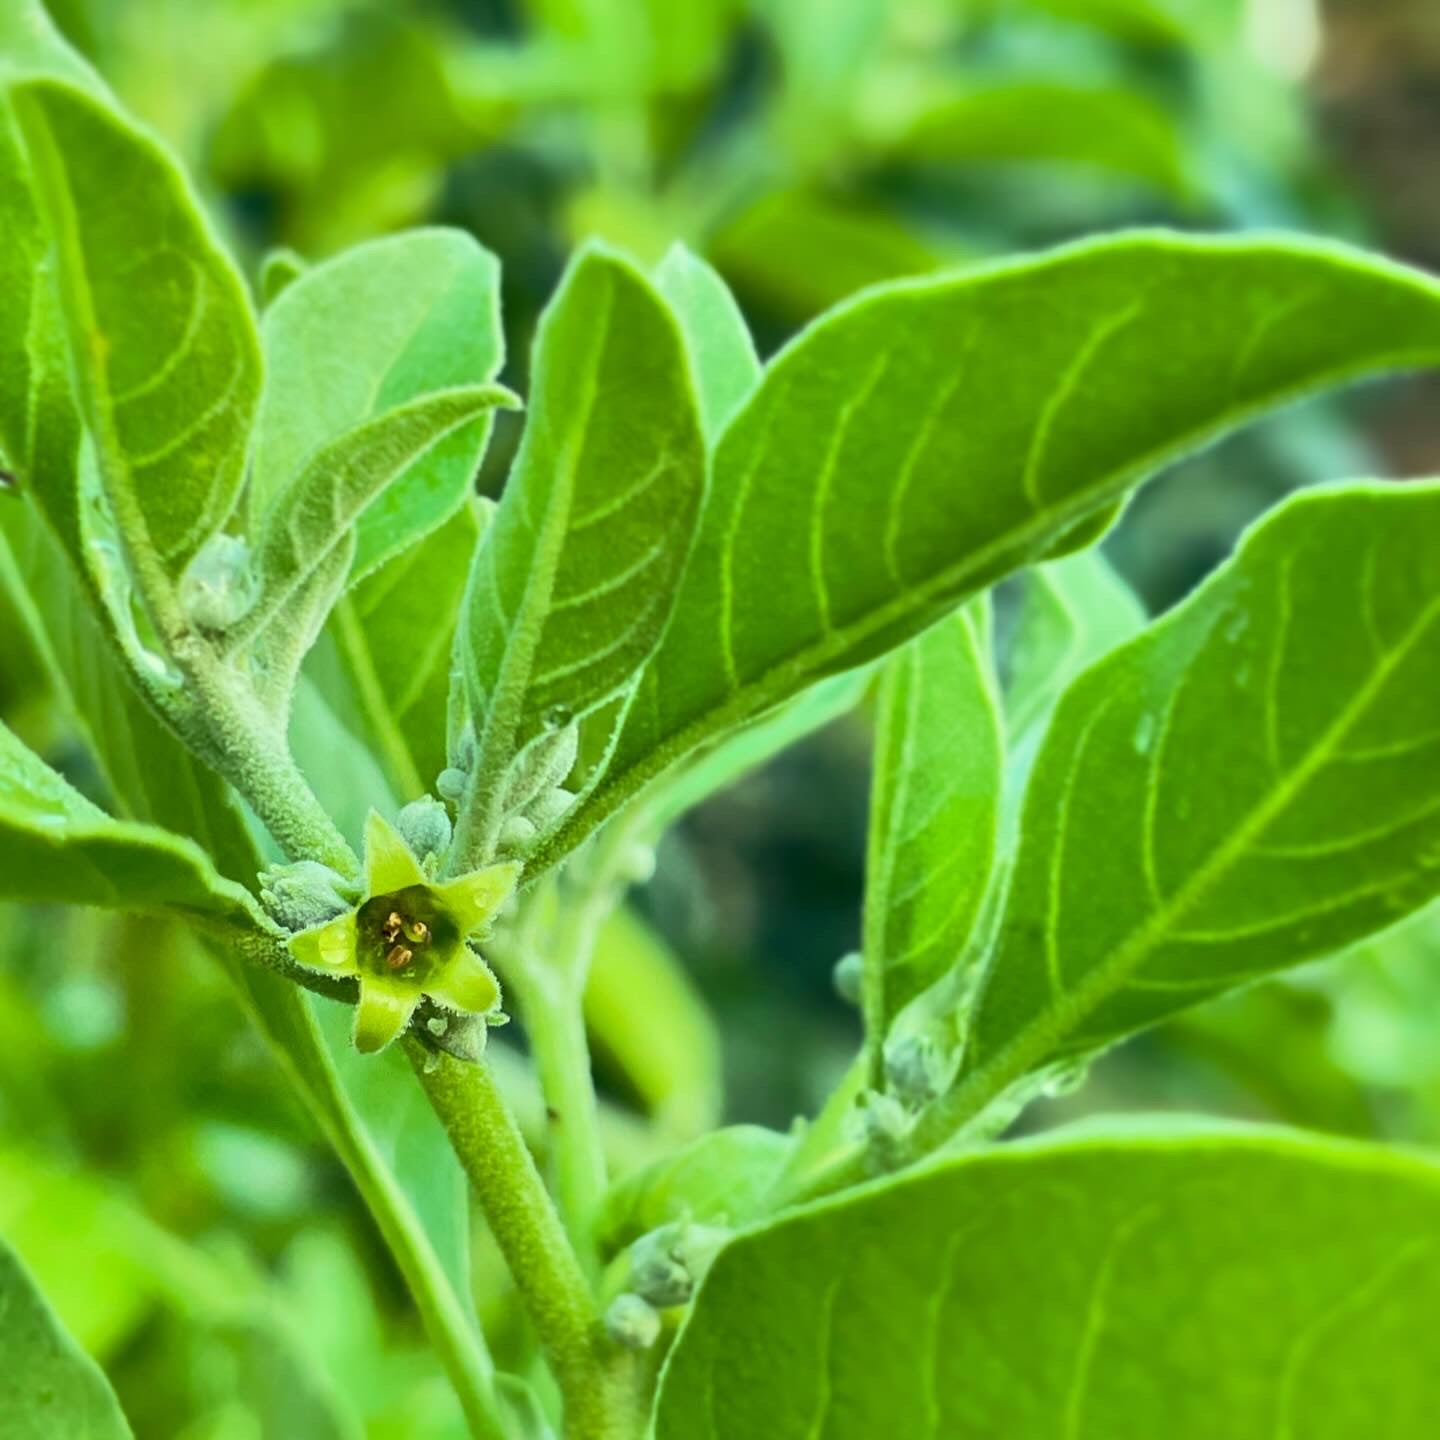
309, 530
575, 576
1248, 784
49, 1388
60, 848
384, 324
718, 1179
934, 810
162, 339
386, 663
903, 453
726, 366
1129, 1284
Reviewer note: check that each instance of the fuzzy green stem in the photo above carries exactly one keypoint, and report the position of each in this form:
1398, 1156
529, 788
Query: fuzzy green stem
601, 1385
551, 1004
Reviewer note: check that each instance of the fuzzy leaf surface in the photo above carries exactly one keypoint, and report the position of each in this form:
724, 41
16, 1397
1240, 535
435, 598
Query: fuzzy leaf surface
727, 368
1124, 1283
576, 574
383, 324
934, 811
1252, 782
318, 513
61, 849
49, 1388
162, 340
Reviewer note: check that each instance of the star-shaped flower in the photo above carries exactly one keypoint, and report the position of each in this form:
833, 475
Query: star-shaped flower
408, 939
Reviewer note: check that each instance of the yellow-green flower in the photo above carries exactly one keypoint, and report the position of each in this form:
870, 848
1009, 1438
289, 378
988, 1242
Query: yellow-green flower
408, 938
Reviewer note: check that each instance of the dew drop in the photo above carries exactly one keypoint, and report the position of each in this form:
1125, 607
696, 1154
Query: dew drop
557, 717
1064, 1078
1237, 625
1144, 733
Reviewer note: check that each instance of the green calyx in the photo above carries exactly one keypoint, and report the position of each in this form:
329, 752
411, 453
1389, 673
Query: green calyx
408, 939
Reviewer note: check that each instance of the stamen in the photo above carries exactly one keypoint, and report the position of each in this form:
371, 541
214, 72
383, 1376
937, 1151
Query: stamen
390, 930
417, 932
399, 957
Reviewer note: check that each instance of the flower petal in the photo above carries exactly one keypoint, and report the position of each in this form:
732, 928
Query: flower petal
330, 946
383, 1012
475, 898
390, 864
466, 983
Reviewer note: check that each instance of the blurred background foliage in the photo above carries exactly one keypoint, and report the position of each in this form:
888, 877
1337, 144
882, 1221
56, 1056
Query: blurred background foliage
173, 1198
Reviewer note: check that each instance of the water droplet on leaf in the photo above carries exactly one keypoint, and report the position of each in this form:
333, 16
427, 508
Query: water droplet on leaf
1144, 733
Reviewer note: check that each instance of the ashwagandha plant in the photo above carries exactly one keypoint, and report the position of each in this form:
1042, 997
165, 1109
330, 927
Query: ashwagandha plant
695, 561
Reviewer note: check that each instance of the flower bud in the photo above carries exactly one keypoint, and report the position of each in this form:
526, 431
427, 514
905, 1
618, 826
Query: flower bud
303, 895
424, 825
632, 1322
219, 586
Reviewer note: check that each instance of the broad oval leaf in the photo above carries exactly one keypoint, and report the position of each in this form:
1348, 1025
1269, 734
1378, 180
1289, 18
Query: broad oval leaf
384, 324
1110, 1286
60, 848
162, 339
49, 1388
905, 452
1250, 783
575, 576
934, 812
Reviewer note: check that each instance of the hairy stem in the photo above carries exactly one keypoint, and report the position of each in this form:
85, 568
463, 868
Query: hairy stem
551, 1004
601, 1385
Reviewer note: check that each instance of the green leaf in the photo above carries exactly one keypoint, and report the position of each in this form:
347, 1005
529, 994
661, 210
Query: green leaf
727, 368
162, 339
308, 536
385, 664
903, 453
1103, 128
149, 774
1070, 613
60, 848
39, 427
387, 323
49, 1388
575, 576
1124, 1284
718, 1179
934, 813
1248, 784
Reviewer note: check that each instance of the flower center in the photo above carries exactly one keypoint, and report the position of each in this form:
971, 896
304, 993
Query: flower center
407, 934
